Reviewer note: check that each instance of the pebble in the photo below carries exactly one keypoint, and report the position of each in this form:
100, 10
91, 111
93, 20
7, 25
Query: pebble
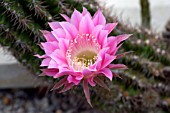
6, 100
59, 111
21, 101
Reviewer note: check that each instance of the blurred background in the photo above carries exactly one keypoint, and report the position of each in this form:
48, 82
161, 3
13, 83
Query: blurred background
146, 84
154, 11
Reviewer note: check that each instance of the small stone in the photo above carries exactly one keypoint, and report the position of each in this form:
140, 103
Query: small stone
44, 103
71, 111
29, 107
125, 94
168, 101
20, 110
59, 111
8, 108
64, 106
15, 106
6, 100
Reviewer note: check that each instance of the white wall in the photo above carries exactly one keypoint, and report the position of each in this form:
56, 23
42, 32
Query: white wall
6, 57
130, 10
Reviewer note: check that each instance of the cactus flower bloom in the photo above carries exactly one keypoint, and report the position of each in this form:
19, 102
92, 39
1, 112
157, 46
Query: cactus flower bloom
80, 50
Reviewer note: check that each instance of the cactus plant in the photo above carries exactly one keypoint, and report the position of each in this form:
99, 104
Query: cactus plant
145, 13
144, 86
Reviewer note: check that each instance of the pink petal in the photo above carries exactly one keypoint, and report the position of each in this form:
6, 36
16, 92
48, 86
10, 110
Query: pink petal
122, 54
102, 38
99, 18
54, 25
86, 91
96, 66
112, 44
76, 18
80, 77
59, 33
65, 17
70, 30
64, 72
91, 82
63, 46
86, 25
60, 83
95, 32
41, 56
115, 50
50, 72
49, 47
64, 69
102, 52
110, 26
45, 62
86, 72
58, 75
99, 63
52, 64
67, 87
101, 83
107, 72
117, 66
77, 75
59, 57
84, 11
107, 60
123, 37
48, 36
111, 39
72, 79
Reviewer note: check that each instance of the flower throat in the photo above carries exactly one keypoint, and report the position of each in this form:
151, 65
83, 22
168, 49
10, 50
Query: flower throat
82, 51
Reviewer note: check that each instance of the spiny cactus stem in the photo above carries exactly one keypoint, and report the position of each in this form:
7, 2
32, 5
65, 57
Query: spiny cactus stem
124, 97
58, 5
21, 19
15, 46
19, 35
39, 9
131, 80
157, 51
147, 52
143, 66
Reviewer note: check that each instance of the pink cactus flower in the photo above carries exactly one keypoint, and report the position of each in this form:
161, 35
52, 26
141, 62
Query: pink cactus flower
80, 50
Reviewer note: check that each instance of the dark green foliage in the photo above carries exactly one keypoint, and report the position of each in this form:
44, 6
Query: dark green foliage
143, 87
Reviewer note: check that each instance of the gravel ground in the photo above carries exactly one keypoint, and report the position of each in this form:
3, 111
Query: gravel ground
42, 101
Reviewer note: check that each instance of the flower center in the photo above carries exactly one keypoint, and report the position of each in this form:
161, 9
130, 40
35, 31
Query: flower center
82, 52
